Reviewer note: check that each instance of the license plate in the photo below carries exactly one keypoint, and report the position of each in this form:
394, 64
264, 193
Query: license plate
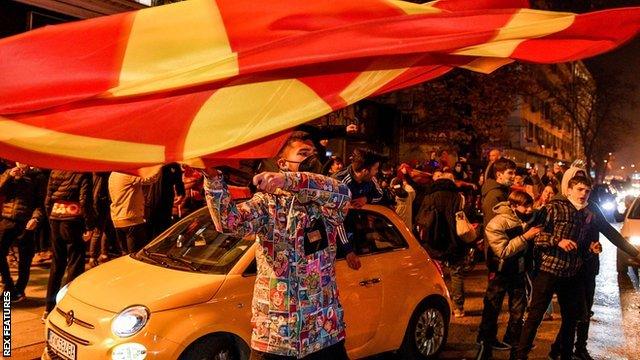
61, 346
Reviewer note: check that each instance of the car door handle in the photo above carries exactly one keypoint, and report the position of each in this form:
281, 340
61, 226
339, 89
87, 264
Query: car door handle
369, 281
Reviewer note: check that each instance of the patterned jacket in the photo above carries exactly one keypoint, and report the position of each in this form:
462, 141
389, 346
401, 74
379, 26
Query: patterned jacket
295, 308
564, 221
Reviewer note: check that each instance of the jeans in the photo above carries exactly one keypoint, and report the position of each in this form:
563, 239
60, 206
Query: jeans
11, 231
456, 284
334, 352
570, 291
497, 287
68, 255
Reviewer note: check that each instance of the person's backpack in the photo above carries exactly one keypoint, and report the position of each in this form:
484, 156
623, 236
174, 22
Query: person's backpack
434, 231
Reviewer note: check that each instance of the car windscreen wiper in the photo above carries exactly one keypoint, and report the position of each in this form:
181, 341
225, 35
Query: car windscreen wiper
184, 262
154, 257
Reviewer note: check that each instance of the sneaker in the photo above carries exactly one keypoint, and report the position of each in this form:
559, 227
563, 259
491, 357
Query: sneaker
459, 313
44, 317
16, 297
582, 354
500, 346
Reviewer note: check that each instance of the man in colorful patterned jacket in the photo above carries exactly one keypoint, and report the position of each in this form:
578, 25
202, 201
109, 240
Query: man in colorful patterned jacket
296, 312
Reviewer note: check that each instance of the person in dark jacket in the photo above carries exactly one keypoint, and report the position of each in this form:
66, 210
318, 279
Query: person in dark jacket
359, 177
104, 233
436, 219
162, 195
69, 205
509, 241
21, 215
496, 186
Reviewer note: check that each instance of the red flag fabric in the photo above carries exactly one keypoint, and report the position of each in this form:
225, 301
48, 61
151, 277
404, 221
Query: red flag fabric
218, 80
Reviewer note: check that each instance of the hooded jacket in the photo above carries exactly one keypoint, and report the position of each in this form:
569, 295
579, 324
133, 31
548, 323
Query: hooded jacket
492, 194
504, 236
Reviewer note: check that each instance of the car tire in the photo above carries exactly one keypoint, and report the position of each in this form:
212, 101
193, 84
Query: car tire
427, 332
211, 348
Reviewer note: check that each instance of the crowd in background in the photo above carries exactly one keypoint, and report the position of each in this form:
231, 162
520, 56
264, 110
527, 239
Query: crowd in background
74, 218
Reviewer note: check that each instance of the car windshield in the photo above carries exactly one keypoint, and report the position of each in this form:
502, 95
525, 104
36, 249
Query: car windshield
193, 244
634, 213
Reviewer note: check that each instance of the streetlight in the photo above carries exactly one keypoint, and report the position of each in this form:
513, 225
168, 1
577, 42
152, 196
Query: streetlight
605, 161
609, 154
621, 167
633, 165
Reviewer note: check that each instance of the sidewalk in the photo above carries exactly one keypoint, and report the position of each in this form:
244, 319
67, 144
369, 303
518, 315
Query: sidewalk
27, 331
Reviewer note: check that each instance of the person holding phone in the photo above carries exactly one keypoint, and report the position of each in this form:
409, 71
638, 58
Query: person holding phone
508, 234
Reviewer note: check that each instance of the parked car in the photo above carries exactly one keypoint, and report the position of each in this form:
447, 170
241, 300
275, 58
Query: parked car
631, 231
187, 295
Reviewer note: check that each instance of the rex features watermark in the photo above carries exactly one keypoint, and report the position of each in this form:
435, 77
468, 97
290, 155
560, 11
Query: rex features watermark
6, 324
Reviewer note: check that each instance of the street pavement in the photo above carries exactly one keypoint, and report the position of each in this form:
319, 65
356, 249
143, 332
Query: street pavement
613, 334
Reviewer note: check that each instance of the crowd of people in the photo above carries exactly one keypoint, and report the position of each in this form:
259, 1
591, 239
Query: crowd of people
75, 219
538, 231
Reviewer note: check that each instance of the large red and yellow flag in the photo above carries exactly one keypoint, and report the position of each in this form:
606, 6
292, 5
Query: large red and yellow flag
223, 79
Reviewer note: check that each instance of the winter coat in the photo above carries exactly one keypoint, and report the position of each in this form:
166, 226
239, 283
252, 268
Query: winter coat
69, 197
492, 194
507, 246
23, 197
436, 217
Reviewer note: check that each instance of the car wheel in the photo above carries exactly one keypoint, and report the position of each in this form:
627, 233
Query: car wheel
427, 332
211, 348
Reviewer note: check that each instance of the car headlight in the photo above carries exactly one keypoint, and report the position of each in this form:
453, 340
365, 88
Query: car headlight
130, 321
61, 293
609, 205
634, 240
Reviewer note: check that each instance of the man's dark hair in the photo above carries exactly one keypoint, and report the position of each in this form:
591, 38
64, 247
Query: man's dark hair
364, 159
520, 198
295, 136
579, 180
501, 165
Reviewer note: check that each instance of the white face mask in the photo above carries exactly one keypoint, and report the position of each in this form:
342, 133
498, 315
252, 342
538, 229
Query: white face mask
577, 204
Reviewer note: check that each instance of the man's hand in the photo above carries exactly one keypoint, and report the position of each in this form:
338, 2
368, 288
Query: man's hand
16, 172
86, 236
359, 202
178, 200
353, 261
567, 245
352, 128
32, 224
595, 247
269, 181
532, 232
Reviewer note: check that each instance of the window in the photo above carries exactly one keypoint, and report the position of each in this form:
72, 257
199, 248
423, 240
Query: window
371, 233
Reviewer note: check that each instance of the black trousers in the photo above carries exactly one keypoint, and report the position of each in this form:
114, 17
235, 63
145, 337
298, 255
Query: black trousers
132, 238
589, 272
68, 255
498, 286
570, 291
10, 232
333, 352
